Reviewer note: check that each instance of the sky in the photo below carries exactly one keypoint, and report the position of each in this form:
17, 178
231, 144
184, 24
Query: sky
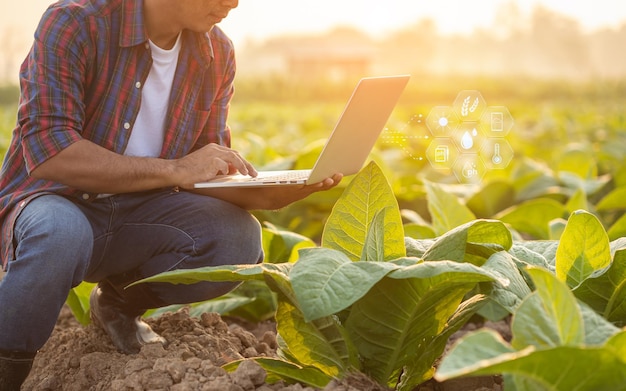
258, 19
269, 17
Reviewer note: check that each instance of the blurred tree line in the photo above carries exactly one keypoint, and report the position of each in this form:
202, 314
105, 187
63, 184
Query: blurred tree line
542, 44
545, 45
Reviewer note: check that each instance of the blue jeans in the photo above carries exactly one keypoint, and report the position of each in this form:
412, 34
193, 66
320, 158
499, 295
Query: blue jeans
61, 242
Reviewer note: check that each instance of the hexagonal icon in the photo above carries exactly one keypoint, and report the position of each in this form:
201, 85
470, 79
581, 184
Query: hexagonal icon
441, 121
469, 168
468, 137
496, 121
442, 152
496, 152
469, 105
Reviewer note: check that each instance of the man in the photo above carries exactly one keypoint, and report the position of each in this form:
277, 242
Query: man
123, 108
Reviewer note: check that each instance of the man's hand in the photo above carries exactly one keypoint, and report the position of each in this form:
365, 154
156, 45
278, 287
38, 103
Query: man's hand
270, 197
209, 162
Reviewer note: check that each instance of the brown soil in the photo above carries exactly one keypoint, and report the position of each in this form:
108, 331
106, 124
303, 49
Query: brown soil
78, 358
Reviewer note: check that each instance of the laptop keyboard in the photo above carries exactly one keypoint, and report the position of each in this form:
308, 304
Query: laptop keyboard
286, 176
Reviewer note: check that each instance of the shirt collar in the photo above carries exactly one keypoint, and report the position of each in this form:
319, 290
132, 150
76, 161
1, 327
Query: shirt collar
205, 45
132, 26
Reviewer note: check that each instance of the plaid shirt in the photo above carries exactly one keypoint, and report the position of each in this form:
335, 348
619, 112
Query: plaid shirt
82, 79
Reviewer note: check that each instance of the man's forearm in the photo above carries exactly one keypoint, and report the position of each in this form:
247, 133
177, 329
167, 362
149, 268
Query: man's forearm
87, 166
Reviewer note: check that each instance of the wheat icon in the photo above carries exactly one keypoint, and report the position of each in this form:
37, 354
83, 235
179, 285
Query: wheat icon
466, 109
474, 105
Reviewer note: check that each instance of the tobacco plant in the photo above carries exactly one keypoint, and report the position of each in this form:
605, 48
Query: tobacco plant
565, 333
359, 303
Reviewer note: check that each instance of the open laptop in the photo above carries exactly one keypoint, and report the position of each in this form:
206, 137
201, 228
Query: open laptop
353, 138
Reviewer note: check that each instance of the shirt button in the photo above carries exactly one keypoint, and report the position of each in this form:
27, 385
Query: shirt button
126, 125
146, 45
85, 196
138, 84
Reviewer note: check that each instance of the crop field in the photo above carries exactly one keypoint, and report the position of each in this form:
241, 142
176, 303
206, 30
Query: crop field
559, 127
376, 275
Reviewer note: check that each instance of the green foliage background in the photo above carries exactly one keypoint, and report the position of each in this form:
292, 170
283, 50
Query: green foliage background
559, 126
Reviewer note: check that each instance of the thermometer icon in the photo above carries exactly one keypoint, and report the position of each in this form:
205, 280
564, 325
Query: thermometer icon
496, 158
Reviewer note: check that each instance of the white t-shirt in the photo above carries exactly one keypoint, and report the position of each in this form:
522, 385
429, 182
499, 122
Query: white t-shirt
146, 138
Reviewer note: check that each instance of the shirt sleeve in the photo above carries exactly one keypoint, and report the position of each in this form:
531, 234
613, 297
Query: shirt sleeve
216, 129
51, 111
221, 107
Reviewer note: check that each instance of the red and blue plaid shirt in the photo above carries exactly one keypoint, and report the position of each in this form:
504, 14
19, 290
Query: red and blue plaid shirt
82, 79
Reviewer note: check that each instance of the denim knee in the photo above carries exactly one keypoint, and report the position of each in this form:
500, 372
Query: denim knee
53, 244
236, 238
54, 233
218, 233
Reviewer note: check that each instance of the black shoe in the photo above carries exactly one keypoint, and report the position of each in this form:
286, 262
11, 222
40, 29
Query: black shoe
14, 369
120, 321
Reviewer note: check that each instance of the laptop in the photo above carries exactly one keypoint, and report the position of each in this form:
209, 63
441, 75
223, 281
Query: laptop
349, 144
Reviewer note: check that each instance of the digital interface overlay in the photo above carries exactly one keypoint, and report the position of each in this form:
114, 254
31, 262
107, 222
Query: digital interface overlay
467, 138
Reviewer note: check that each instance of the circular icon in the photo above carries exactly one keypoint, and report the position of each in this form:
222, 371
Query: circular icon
441, 121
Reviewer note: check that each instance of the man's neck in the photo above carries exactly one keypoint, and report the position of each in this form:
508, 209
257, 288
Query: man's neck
159, 26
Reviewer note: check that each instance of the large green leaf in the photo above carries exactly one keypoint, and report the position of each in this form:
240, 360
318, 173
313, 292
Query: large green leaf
597, 329
508, 291
405, 310
473, 241
616, 307
218, 273
540, 253
583, 249
322, 343
348, 226
446, 210
418, 247
558, 368
326, 281
533, 217
524, 256
548, 317
422, 367
604, 287
374, 249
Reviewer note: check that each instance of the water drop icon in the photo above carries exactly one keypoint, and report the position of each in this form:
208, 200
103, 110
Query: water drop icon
467, 142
